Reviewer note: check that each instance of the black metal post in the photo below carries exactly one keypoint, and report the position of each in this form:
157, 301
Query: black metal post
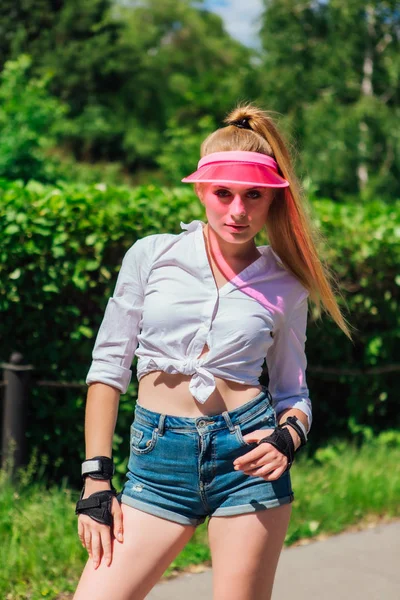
16, 379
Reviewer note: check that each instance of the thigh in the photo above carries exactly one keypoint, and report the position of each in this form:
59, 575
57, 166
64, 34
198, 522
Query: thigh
245, 551
150, 545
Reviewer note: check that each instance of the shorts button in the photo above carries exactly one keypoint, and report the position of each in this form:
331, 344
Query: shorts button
201, 423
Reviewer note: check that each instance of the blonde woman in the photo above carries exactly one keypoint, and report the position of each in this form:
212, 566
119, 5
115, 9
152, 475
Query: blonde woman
202, 310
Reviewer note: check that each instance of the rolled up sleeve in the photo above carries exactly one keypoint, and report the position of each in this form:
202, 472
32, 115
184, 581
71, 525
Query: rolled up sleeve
286, 362
116, 340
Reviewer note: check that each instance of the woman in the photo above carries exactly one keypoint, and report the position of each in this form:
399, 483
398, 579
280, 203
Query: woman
202, 310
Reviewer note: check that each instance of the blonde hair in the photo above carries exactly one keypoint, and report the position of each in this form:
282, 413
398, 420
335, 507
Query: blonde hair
290, 229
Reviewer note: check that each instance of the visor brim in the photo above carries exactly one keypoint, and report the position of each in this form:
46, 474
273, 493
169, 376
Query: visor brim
246, 174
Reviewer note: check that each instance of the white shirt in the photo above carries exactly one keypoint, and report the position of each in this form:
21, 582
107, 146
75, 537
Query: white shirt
166, 307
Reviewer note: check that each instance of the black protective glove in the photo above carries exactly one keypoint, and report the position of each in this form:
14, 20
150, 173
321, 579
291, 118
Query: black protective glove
281, 439
97, 506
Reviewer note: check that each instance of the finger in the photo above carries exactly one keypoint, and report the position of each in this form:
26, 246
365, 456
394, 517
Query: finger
255, 463
272, 459
81, 533
274, 474
266, 463
118, 528
254, 455
107, 547
274, 467
265, 469
96, 549
88, 540
257, 435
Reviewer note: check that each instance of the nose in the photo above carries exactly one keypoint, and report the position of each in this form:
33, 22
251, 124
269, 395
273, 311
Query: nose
238, 208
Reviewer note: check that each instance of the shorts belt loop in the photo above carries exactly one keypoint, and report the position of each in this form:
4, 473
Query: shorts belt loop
228, 421
161, 425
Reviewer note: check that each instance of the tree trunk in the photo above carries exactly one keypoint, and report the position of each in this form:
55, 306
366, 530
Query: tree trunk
366, 91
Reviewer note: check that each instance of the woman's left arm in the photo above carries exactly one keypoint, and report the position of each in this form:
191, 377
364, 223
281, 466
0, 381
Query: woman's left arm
287, 363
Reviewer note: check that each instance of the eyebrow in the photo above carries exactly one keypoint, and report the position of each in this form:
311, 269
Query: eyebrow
227, 188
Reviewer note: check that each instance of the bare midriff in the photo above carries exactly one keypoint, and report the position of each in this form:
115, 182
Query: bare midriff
169, 394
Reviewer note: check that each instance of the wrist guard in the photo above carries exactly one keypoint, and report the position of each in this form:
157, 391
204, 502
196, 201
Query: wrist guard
299, 428
281, 439
98, 467
97, 506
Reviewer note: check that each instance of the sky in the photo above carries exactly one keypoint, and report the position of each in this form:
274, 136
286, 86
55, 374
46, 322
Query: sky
241, 18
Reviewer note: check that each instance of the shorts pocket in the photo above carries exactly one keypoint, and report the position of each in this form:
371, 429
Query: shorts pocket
143, 437
265, 420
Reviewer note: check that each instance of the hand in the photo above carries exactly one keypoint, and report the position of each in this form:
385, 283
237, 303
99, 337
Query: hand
96, 537
263, 461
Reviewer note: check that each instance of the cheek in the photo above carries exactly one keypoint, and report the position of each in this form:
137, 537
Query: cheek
213, 204
263, 208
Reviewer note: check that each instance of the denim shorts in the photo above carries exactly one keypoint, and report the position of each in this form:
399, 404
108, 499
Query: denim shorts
181, 468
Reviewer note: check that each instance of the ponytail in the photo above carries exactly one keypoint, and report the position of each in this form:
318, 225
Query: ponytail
289, 226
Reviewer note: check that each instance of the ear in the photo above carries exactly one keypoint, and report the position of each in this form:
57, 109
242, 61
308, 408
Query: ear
199, 191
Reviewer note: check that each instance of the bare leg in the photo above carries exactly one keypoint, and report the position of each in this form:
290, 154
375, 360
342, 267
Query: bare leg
245, 551
150, 545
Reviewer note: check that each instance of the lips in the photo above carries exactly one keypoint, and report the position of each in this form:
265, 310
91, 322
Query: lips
236, 227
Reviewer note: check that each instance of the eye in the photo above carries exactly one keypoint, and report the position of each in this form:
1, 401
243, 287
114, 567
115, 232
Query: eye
221, 193
254, 194
225, 193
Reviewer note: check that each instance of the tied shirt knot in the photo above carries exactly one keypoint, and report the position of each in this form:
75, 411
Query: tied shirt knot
202, 383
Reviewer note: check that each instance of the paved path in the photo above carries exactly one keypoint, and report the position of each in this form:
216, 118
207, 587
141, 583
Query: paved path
363, 565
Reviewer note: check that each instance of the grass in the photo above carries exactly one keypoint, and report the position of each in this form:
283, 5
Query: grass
41, 556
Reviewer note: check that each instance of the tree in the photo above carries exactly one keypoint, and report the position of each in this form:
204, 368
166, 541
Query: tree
333, 69
129, 70
29, 116
188, 68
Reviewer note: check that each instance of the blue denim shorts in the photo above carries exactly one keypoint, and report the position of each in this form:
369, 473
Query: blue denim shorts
181, 468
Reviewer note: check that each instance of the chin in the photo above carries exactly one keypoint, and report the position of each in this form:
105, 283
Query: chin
236, 238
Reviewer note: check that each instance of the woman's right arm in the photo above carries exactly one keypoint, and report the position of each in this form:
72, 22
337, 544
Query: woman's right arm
108, 377
100, 419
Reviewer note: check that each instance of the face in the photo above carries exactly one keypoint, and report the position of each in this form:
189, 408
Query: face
235, 212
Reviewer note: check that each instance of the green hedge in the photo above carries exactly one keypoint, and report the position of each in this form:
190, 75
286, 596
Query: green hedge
60, 252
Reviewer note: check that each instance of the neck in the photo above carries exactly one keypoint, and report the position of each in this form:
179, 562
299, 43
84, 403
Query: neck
223, 251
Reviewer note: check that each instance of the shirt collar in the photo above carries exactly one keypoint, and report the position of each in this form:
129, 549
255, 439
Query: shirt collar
193, 225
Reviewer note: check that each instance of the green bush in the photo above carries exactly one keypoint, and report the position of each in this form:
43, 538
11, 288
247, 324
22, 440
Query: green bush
363, 249
60, 253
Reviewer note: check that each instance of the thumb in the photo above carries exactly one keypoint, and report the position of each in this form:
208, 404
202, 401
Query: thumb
256, 436
118, 528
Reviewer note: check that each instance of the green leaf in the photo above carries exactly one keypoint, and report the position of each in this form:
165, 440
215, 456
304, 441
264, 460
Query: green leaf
91, 239
51, 287
11, 229
86, 331
15, 274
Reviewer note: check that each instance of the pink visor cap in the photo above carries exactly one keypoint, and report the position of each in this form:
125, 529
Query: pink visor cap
235, 166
